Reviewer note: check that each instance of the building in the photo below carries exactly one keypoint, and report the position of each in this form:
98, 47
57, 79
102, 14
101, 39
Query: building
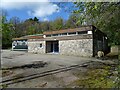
83, 41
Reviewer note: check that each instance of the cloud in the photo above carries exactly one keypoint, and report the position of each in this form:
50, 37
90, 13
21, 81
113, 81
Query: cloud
44, 9
38, 8
45, 19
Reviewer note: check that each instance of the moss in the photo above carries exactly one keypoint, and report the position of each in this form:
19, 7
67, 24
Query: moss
3, 86
97, 78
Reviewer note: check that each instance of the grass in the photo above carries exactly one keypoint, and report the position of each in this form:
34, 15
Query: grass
97, 78
3, 86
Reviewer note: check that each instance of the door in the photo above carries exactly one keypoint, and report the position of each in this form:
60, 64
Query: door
100, 45
52, 46
56, 47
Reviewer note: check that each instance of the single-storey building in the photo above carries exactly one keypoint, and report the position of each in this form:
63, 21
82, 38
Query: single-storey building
83, 41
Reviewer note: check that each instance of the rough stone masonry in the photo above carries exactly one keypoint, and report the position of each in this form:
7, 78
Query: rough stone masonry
83, 47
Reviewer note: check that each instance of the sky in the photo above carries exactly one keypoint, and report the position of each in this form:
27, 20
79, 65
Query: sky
44, 10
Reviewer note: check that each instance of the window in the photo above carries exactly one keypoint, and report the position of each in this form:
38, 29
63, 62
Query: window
48, 35
72, 33
63, 34
55, 35
82, 32
20, 42
40, 45
23, 43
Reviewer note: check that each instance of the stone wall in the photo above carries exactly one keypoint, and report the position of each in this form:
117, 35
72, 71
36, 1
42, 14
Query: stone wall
115, 49
81, 47
34, 46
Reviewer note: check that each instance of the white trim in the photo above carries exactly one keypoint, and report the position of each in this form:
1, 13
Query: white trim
20, 49
89, 32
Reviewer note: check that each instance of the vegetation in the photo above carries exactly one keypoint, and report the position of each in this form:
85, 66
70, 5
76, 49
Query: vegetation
97, 78
7, 33
103, 15
3, 86
102, 76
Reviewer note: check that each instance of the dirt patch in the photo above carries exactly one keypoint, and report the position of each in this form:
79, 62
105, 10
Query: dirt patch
12, 56
18, 76
42, 85
6, 73
100, 65
36, 64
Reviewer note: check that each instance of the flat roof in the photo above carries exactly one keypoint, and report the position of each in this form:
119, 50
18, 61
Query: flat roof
37, 36
82, 28
86, 36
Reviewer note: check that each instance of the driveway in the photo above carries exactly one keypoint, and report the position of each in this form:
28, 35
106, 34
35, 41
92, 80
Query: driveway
18, 58
11, 59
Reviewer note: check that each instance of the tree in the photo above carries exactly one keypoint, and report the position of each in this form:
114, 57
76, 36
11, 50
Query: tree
104, 15
44, 26
31, 26
36, 19
73, 22
7, 33
15, 21
57, 24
